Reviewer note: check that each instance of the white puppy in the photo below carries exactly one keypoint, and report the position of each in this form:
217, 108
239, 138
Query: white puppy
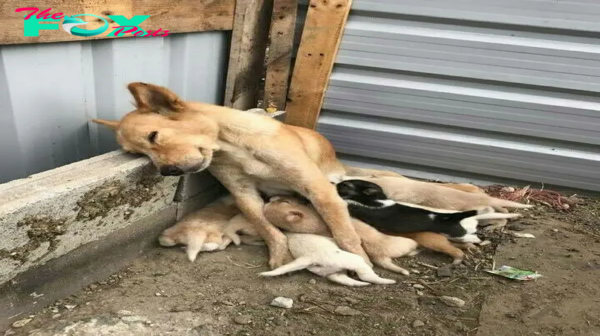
320, 255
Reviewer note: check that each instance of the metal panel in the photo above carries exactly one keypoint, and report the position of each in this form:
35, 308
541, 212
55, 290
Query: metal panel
48, 92
494, 88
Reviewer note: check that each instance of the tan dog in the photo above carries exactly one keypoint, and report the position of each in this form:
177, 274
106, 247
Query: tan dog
202, 230
247, 153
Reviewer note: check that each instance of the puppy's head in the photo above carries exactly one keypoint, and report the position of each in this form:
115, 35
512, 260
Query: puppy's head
284, 211
362, 192
177, 138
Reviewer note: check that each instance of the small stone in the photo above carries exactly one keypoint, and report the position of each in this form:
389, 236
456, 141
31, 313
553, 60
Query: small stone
55, 310
125, 313
444, 272
485, 242
282, 302
312, 281
21, 323
158, 294
55, 316
417, 286
508, 189
418, 323
415, 271
70, 307
419, 293
346, 311
133, 319
10, 332
243, 319
554, 230
452, 301
351, 300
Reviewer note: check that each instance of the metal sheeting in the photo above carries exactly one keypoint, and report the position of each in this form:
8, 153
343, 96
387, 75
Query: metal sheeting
494, 88
48, 92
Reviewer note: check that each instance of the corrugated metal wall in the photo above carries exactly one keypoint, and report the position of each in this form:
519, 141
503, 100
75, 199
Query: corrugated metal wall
488, 89
48, 92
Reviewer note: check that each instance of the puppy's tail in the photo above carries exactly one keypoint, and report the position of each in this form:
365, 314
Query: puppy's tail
502, 203
194, 245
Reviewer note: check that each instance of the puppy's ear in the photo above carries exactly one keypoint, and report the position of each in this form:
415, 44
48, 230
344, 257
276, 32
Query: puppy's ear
156, 98
108, 123
294, 216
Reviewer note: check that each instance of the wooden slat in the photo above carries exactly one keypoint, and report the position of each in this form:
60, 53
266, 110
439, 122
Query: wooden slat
247, 54
320, 41
283, 24
177, 16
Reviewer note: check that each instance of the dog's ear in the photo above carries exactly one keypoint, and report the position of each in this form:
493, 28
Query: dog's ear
108, 123
156, 98
294, 216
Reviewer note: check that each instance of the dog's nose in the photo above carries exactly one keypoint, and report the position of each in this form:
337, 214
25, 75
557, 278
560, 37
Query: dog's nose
170, 170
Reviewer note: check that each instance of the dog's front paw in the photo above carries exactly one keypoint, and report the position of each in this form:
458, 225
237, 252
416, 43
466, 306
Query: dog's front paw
280, 258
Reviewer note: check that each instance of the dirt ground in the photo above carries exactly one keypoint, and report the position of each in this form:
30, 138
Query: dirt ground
163, 293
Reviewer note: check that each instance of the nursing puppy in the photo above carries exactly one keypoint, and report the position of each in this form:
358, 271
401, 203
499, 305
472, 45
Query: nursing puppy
202, 230
436, 196
320, 255
368, 203
290, 214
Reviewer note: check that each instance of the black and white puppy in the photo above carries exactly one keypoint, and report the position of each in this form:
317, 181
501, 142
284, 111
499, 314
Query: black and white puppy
367, 202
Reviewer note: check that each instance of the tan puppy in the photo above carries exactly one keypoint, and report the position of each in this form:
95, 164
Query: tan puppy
289, 214
202, 230
247, 153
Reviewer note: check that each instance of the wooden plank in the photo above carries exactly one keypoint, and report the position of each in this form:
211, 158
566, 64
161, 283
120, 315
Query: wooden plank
176, 16
319, 44
279, 55
247, 54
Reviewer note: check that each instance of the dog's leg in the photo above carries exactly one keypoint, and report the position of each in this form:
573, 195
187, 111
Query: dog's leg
439, 243
388, 264
296, 265
343, 279
251, 205
194, 245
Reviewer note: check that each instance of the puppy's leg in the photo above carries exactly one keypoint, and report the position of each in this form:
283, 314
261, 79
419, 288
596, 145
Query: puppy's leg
365, 172
296, 265
344, 279
437, 242
469, 247
363, 271
194, 245
388, 264
251, 205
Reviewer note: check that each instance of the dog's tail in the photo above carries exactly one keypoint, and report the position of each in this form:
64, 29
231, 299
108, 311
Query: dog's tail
502, 203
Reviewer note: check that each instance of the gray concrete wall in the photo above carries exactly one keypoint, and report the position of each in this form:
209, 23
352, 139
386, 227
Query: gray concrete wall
67, 227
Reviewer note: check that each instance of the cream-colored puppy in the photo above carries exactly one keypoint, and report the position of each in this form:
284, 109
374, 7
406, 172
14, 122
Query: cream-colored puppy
202, 230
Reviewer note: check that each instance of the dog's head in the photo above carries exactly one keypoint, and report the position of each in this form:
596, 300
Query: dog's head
287, 212
361, 192
176, 135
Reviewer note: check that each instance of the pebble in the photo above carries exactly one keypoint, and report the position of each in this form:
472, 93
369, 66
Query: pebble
452, 301
55, 316
158, 294
444, 272
419, 293
282, 302
351, 300
346, 311
21, 323
10, 332
125, 313
418, 323
312, 281
554, 230
485, 242
133, 319
243, 319
417, 286
415, 271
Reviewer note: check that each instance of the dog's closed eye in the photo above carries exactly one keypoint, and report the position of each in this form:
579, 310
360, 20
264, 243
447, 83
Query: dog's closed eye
152, 137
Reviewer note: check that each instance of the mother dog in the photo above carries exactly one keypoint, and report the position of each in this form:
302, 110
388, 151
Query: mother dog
247, 153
